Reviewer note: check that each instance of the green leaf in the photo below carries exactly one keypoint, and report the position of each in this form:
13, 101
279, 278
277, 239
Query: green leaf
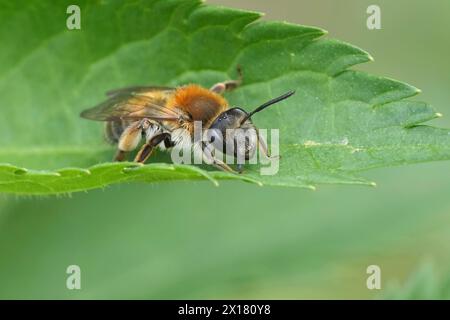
340, 121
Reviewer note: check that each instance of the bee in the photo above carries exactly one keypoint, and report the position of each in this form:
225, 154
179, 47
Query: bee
156, 115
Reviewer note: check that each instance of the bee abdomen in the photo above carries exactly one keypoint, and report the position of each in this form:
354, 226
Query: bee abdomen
113, 131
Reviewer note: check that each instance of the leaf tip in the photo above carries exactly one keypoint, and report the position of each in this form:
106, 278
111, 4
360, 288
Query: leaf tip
212, 180
438, 115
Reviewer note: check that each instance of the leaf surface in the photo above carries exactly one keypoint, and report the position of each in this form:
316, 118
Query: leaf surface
339, 123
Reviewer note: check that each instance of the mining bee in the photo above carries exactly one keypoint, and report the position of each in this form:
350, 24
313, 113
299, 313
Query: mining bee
156, 114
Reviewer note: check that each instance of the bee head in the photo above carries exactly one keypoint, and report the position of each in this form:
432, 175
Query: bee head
234, 133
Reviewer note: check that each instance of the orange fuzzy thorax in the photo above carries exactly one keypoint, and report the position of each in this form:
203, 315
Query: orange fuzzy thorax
202, 104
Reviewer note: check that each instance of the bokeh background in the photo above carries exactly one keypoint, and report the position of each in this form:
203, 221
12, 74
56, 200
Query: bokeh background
192, 240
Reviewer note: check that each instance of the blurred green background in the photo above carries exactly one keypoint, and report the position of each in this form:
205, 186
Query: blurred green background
193, 240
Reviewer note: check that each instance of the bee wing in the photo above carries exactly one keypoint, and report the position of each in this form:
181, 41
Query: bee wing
135, 103
137, 89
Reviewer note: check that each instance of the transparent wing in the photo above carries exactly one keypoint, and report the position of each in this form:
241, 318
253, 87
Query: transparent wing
135, 103
138, 89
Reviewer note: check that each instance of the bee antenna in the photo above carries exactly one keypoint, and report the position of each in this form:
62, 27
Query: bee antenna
268, 103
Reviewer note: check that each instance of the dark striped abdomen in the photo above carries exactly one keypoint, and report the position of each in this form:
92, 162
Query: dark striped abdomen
114, 129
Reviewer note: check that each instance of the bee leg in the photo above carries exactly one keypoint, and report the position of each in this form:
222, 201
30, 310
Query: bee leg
168, 143
223, 166
228, 85
120, 155
130, 138
264, 149
219, 164
146, 151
